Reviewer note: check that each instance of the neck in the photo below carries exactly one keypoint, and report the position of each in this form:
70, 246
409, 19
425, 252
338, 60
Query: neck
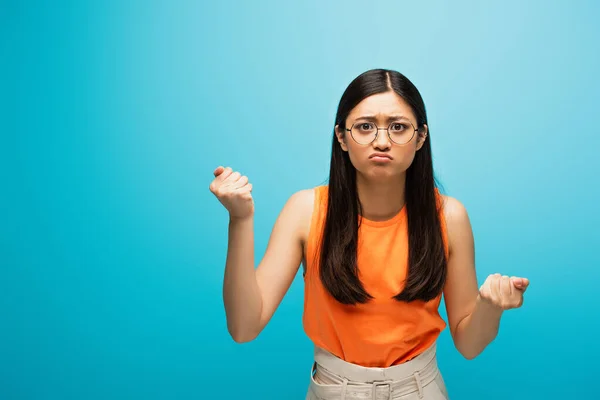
381, 200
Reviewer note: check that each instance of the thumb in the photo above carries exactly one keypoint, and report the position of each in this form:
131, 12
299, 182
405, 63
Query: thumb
218, 171
520, 283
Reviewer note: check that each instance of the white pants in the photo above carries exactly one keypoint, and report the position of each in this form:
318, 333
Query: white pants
333, 378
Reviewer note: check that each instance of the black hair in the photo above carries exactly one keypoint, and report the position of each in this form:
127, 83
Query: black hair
427, 262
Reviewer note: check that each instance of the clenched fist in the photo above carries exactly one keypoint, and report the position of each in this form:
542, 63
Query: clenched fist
503, 292
233, 191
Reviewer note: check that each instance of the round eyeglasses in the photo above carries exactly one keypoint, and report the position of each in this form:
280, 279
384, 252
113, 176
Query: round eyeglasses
399, 132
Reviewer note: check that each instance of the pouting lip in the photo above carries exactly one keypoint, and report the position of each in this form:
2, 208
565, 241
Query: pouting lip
381, 155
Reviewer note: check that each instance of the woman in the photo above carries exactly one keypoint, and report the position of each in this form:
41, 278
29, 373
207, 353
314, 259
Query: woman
379, 246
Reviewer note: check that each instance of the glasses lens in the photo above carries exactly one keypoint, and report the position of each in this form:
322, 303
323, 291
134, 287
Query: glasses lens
364, 132
401, 132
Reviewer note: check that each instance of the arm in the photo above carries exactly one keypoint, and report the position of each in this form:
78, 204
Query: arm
473, 313
251, 295
241, 294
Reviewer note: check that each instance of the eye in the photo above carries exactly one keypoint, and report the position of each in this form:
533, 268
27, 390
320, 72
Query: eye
398, 127
364, 127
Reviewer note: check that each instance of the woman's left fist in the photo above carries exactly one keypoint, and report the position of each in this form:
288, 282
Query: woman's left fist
503, 292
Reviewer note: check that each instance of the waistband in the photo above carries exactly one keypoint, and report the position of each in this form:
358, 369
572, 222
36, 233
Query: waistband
369, 382
359, 373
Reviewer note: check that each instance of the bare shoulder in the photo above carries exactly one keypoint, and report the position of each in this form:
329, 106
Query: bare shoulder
457, 220
454, 210
303, 198
301, 204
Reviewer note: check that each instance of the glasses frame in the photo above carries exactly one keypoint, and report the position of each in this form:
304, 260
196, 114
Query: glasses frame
383, 129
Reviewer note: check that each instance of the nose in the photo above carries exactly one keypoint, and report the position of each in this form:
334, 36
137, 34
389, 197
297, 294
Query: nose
382, 141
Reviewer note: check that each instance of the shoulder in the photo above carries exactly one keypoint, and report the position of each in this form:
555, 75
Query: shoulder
300, 206
303, 199
456, 219
453, 209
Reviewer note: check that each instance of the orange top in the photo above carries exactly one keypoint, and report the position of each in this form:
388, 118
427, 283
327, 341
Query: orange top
382, 332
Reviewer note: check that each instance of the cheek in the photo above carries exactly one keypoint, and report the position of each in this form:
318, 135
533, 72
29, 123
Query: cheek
407, 159
356, 158
358, 154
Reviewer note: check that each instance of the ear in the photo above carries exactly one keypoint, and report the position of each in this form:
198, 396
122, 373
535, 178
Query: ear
421, 136
341, 137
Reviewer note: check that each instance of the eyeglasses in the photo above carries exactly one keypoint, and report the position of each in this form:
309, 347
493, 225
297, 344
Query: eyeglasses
399, 132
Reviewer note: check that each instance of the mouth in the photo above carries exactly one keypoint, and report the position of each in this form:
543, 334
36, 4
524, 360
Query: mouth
380, 157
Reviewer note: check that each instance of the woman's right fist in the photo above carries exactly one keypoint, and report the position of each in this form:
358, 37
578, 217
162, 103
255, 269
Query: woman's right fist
233, 191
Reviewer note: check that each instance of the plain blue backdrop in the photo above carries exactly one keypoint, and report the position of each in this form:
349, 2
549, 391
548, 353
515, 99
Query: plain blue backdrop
114, 115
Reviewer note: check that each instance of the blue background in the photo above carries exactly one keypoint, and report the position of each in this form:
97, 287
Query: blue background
114, 115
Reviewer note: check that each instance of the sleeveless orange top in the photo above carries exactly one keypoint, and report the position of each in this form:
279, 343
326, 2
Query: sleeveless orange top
383, 332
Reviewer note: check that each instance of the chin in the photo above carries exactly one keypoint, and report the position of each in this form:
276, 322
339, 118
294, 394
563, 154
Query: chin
381, 173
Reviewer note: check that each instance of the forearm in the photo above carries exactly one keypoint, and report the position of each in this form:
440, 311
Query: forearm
241, 294
478, 329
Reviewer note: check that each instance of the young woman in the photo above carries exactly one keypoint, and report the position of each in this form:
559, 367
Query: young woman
379, 245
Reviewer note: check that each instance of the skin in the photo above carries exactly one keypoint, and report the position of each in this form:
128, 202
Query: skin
251, 296
380, 185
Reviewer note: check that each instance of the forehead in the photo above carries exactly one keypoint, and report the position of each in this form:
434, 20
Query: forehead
382, 105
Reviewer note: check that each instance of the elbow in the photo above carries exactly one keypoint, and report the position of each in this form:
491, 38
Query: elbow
471, 346
469, 351
240, 338
472, 350
242, 335
469, 355
244, 328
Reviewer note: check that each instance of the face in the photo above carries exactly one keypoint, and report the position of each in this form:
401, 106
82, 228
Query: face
379, 111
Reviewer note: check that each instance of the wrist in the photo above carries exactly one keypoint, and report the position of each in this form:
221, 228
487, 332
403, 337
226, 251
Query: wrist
240, 220
488, 306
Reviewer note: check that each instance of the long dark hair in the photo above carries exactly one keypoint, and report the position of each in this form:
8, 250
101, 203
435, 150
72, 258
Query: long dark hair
426, 259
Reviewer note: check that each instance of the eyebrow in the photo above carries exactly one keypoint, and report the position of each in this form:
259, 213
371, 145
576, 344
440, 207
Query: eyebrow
390, 118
